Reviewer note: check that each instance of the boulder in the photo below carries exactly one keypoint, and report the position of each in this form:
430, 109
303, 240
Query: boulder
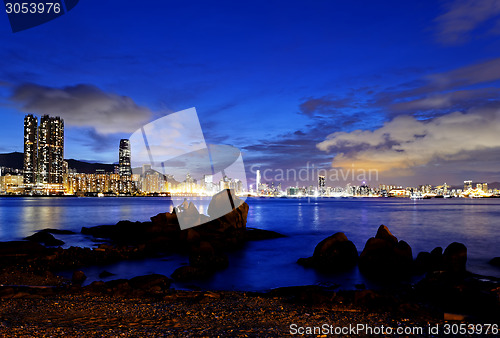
403, 254
436, 263
384, 233
428, 262
165, 222
186, 273
148, 283
45, 238
495, 261
192, 236
422, 262
252, 234
223, 203
105, 274
78, 277
455, 257
384, 257
58, 231
226, 212
190, 217
334, 253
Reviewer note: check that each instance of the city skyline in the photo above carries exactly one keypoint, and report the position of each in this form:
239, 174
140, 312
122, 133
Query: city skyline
55, 125
407, 89
46, 172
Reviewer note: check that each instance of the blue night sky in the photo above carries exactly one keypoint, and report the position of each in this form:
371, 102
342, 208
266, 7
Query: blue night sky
410, 88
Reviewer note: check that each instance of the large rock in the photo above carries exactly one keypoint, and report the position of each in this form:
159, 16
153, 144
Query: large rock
58, 231
190, 217
165, 222
78, 277
455, 258
384, 257
153, 282
495, 261
187, 273
45, 238
384, 233
227, 211
223, 203
252, 234
334, 253
428, 262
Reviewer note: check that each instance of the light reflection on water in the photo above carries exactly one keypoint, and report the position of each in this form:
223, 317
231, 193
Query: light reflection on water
265, 264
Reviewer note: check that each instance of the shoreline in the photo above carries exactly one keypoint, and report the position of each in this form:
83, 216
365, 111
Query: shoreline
189, 314
147, 306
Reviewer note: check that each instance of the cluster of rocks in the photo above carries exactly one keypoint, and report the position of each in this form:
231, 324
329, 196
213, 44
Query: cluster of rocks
384, 256
446, 282
206, 244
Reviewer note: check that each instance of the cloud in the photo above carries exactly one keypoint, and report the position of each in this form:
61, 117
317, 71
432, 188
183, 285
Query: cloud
450, 100
484, 72
325, 105
405, 143
457, 89
463, 17
83, 106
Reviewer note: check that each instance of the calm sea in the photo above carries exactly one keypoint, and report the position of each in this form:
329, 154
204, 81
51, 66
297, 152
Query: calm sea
424, 224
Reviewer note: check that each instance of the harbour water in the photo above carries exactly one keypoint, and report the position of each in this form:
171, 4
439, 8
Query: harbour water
261, 265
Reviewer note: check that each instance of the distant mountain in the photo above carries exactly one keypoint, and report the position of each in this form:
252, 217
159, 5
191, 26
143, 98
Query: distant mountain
89, 168
15, 161
12, 160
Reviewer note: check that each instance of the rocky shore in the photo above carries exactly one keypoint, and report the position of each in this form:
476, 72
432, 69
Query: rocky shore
35, 301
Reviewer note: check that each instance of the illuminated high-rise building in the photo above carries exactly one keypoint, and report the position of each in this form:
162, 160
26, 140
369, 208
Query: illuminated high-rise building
467, 185
321, 184
124, 169
30, 148
257, 181
50, 150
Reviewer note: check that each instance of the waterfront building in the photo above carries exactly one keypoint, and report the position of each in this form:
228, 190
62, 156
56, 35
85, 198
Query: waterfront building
30, 148
124, 167
321, 185
257, 181
50, 150
11, 184
44, 152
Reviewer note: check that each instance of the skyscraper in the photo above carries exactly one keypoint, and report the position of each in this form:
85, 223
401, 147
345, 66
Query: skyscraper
30, 148
50, 150
257, 181
124, 169
321, 184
